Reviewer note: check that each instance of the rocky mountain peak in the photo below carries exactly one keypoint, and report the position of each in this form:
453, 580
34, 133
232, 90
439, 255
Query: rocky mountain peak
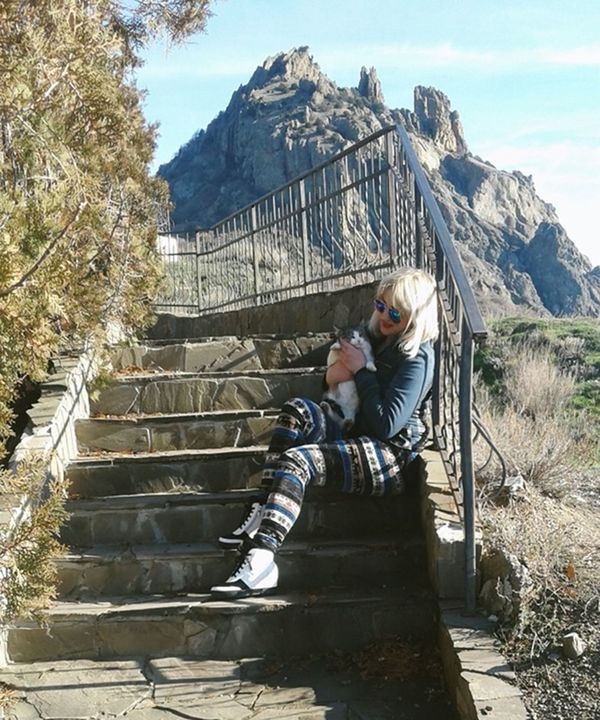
292, 67
437, 121
291, 117
369, 86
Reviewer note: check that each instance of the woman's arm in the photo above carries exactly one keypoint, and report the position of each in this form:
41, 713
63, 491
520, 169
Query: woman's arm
337, 373
350, 360
384, 412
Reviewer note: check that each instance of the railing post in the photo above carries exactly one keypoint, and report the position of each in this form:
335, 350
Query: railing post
198, 273
392, 192
303, 220
255, 268
466, 461
419, 247
437, 368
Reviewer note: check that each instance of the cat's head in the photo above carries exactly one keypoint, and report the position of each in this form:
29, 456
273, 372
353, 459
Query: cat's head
353, 332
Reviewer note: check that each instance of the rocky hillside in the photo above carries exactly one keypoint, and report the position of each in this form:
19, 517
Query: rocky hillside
290, 117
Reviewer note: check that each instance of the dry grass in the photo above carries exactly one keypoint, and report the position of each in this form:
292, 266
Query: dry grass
535, 386
559, 543
8, 697
550, 525
532, 425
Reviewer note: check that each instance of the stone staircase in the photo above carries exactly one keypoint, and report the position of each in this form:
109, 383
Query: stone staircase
169, 458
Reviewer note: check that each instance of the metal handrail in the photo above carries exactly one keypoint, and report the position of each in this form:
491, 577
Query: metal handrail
366, 210
343, 153
472, 313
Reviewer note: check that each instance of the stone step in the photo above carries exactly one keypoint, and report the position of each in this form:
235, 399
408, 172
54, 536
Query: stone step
332, 687
197, 517
197, 626
208, 470
153, 394
159, 433
176, 569
224, 353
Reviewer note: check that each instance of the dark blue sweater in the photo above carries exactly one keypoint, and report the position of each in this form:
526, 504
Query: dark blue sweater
392, 400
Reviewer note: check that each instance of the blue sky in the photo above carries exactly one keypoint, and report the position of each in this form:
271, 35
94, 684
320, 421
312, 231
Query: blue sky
524, 76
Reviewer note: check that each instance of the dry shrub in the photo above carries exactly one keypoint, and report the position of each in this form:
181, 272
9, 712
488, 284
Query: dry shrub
547, 525
558, 543
535, 386
560, 547
532, 425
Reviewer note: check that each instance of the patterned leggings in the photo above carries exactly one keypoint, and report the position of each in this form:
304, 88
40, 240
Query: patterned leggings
306, 446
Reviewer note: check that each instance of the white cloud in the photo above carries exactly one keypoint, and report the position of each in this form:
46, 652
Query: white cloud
476, 60
444, 55
587, 55
196, 62
570, 123
156, 70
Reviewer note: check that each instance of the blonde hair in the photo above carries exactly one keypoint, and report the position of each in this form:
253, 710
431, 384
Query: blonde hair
413, 293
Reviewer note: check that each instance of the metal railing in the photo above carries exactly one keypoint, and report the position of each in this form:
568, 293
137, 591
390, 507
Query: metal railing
357, 216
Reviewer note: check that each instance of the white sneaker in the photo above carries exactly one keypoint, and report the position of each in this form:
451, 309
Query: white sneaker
256, 574
246, 531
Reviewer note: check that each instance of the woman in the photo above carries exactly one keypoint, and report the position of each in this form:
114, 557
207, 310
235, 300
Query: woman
306, 446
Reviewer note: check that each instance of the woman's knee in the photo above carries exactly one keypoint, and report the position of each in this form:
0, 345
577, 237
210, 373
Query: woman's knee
298, 463
299, 406
306, 417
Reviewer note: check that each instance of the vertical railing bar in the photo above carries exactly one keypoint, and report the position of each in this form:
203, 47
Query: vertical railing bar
465, 411
436, 399
198, 272
254, 258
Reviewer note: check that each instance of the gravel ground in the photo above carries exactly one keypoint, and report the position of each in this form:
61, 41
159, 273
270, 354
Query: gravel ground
558, 540
556, 688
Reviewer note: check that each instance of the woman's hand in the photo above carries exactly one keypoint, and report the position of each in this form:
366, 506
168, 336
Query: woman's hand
351, 356
337, 373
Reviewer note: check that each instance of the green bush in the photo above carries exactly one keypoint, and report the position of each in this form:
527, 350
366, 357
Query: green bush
78, 222
78, 205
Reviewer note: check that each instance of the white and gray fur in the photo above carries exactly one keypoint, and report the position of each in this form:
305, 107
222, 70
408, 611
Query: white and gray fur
344, 394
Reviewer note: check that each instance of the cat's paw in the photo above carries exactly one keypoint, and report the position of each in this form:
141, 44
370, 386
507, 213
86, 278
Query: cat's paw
347, 425
371, 366
336, 346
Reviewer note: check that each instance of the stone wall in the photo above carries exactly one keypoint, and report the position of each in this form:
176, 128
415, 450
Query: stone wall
63, 400
444, 530
312, 313
50, 433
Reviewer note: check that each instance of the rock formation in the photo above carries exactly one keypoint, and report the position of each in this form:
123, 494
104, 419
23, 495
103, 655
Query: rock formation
369, 86
290, 117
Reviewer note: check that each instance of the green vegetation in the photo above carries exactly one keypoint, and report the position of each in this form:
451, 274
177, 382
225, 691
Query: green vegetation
28, 575
573, 344
78, 205
78, 218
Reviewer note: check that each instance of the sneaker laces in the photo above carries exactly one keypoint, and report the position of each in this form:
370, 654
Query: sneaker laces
242, 563
254, 508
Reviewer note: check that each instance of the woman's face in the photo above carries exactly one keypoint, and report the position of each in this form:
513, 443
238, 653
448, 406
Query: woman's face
386, 325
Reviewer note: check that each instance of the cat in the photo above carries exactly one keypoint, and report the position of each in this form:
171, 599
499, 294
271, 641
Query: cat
340, 401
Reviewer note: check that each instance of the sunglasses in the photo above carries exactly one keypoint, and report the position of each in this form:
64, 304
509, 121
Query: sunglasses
394, 315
